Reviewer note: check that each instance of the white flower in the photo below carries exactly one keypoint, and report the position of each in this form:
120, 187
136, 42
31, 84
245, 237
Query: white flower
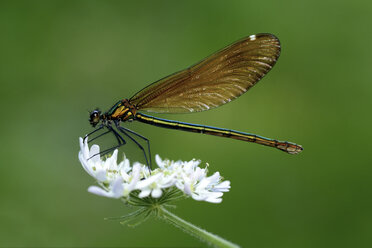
208, 189
121, 180
115, 189
117, 179
154, 184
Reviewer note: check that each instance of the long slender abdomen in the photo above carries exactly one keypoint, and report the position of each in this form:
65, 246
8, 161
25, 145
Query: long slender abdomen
285, 146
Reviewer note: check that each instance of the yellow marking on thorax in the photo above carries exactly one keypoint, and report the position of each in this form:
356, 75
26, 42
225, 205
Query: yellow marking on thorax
119, 111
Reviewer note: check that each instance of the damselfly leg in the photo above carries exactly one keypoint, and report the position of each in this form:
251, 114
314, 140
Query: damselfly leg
120, 139
102, 134
95, 130
125, 130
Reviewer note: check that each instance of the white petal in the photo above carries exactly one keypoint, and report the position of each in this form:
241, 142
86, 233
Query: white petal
98, 191
222, 187
192, 164
180, 185
94, 150
196, 162
126, 190
198, 197
145, 171
156, 193
144, 193
81, 143
111, 161
124, 166
101, 175
117, 187
135, 176
126, 163
202, 184
124, 175
213, 200
187, 188
167, 183
145, 183
159, 161
215, 177
85, 164
199, 174
187, 167
84, 147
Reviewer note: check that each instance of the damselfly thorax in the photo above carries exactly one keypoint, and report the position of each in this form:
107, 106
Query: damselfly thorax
122, 110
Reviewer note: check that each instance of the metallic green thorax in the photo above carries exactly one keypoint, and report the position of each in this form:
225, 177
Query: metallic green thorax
113, 108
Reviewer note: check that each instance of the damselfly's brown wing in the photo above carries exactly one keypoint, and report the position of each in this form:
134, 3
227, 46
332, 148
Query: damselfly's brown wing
214, 81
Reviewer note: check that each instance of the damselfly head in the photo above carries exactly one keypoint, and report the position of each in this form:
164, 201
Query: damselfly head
95, 117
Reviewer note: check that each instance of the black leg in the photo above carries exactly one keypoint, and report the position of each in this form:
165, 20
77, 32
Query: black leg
104, 152
119, 138
140, 136
123, 130
99, 136
95, 130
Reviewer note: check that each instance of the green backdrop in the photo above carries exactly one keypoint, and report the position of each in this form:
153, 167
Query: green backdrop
60, 59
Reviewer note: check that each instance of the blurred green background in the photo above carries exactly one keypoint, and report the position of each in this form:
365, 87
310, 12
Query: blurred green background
60, 59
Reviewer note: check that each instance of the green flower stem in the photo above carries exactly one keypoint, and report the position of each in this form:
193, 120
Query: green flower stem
193, 230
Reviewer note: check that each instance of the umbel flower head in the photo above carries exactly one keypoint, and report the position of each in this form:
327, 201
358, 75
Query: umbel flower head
137, 185
152, 190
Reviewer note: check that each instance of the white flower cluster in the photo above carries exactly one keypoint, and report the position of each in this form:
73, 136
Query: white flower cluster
119, 180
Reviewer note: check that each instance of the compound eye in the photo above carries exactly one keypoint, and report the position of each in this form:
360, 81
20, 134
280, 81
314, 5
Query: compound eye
94, 117
95, 113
